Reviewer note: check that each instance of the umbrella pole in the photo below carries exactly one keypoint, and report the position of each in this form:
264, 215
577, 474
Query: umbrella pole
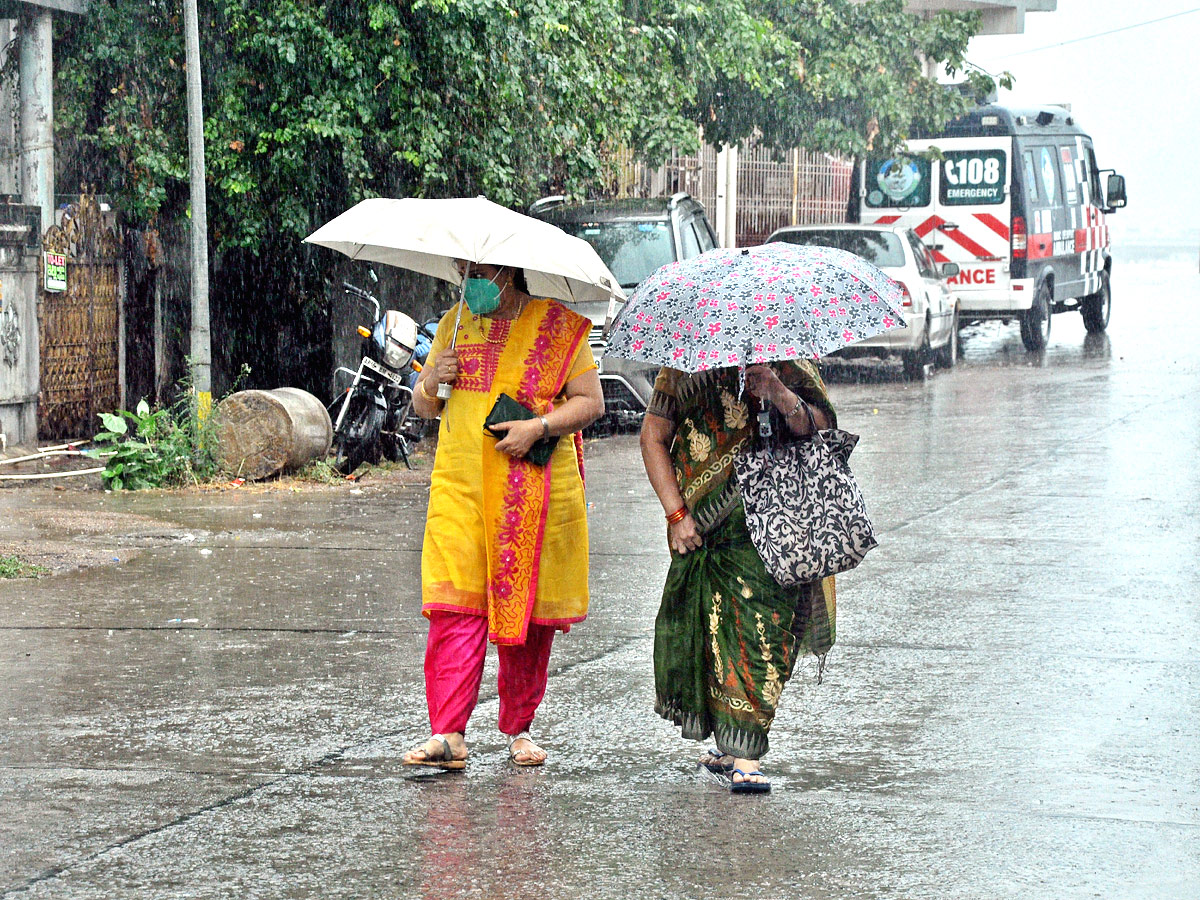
444, 390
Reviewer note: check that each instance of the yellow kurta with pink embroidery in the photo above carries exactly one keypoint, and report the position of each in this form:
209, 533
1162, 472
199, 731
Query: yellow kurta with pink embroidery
504, 538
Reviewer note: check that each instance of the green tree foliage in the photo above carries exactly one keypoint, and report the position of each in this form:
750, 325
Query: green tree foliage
843, 77
312, 105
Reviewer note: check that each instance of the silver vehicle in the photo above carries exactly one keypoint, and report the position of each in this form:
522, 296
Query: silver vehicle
634, 236
929, 306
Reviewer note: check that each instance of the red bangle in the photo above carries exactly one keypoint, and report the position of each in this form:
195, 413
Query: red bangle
678, 515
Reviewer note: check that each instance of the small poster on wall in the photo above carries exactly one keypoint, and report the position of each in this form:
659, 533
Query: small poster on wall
56, 272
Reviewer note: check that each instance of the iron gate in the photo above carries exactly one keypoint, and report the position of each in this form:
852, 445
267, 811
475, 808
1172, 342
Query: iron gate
79, 327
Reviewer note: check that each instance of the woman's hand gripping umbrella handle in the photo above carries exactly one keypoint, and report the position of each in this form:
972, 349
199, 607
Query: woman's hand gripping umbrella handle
443, 389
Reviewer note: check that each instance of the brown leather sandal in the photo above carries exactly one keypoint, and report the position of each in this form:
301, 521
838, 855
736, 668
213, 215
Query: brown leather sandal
444, 759
528, 751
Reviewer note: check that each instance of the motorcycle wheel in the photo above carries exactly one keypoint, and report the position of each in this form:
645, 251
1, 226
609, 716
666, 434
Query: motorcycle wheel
357, 441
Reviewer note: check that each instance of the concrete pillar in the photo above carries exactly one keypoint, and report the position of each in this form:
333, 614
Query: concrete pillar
727, 190
10, 179
722, 189
36, 67
19, 350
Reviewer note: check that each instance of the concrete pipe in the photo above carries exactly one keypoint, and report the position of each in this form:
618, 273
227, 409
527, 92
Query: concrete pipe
261, 433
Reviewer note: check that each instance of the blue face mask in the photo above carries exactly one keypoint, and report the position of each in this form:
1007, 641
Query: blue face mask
482, 296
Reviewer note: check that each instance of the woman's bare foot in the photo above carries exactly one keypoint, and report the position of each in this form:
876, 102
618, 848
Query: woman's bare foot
444, 751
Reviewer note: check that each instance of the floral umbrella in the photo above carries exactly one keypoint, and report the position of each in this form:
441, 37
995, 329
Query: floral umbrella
758, 304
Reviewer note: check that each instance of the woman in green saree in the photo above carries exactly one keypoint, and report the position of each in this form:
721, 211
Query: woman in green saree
727, 634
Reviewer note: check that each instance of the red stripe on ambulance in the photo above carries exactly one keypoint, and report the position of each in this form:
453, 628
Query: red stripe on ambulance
1041, 246
979, 251
993, 223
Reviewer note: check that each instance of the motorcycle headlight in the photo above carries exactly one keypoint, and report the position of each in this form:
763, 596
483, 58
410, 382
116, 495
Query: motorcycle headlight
396, 355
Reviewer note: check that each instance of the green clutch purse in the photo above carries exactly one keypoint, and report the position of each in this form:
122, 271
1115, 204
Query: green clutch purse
507, 409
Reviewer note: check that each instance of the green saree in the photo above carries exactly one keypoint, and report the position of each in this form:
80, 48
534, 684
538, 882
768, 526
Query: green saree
727, 635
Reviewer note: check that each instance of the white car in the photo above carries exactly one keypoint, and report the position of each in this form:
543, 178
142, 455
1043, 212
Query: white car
929, 306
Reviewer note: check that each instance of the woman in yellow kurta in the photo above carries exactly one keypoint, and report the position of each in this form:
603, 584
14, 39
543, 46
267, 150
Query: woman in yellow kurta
505, 556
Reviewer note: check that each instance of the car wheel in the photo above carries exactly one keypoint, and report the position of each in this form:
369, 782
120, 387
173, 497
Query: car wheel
946, 355
1097, 307
1035, 321
914, 360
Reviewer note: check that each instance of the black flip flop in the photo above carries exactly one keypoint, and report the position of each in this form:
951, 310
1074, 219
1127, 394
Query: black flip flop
715, 767
748, 787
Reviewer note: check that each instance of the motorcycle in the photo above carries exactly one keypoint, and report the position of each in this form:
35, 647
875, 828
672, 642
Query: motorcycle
374, 415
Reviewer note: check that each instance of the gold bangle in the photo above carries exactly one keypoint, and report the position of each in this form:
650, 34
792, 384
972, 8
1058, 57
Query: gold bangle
678, 515
424, 393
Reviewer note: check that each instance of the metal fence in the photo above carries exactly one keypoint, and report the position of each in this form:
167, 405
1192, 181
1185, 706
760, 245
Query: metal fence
800, 188
80, 327
694, 173
794, 188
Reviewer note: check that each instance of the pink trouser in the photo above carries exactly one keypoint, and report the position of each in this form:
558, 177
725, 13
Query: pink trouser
454, 657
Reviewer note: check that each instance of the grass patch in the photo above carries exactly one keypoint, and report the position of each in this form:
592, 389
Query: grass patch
321, 472
15, 567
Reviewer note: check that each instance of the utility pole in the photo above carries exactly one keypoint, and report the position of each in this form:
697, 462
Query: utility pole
201, 343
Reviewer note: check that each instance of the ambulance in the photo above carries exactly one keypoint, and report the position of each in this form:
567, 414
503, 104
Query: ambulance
1016, 199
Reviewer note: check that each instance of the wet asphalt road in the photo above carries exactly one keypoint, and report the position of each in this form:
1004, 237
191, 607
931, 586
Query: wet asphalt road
1012, 709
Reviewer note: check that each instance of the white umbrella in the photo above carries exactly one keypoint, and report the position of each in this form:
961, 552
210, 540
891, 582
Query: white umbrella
429, 235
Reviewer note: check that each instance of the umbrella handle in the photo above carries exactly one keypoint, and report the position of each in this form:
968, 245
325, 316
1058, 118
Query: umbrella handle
444, 390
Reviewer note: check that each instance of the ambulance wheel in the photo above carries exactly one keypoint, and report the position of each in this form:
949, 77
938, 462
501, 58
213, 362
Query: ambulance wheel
1035, 321
946, 356
1097, 307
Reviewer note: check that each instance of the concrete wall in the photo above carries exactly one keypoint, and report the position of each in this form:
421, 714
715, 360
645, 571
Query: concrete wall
19, 360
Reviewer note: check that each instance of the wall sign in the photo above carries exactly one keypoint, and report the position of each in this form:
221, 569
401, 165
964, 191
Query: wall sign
55, 280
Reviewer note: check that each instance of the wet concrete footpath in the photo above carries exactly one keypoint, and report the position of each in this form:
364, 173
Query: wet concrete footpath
1012, 709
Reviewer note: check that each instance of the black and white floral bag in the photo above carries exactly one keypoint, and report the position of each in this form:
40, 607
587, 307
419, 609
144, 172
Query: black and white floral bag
804, 510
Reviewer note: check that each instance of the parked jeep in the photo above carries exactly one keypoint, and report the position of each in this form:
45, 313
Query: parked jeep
634, 236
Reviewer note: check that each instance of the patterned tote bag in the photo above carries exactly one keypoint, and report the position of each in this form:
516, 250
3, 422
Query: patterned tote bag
804, 510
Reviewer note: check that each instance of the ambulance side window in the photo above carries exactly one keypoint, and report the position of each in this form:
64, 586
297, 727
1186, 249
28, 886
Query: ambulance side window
1070, 178
1031, 180
1046, 176
1093, 175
